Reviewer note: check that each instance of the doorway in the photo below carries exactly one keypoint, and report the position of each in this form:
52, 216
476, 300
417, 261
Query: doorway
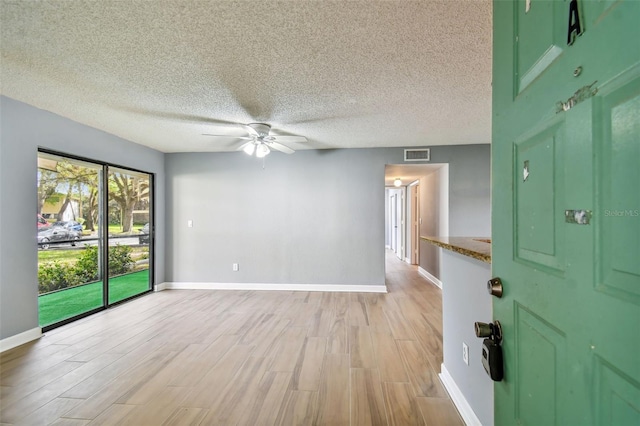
423, 210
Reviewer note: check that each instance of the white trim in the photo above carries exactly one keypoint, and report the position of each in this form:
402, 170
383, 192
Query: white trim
160, 287
465, 410
407, 260
281, 287
426, 274
20, 339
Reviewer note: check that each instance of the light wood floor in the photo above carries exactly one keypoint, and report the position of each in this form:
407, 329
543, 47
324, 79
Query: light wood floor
186, 357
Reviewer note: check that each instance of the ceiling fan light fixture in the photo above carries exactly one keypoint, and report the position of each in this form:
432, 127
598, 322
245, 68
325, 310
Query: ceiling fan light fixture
249, 148
262, 150
397, 182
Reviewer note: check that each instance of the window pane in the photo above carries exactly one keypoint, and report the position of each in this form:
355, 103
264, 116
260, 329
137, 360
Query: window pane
129, 236
68, 238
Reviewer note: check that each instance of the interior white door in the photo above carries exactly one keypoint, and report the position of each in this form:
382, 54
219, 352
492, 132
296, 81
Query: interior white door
393, 222
398, 225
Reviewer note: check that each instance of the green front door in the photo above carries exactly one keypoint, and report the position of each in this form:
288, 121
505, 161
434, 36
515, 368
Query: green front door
566, 151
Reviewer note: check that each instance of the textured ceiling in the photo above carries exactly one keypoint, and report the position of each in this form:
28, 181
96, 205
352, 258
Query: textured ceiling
344, 74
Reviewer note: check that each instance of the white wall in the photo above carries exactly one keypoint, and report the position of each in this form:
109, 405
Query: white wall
23, 130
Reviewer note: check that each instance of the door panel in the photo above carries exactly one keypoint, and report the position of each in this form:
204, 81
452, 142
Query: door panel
619, 156
539, 39
617, 396
571, 303
539, 372
539, 187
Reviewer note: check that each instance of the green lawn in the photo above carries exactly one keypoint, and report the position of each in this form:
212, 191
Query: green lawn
55, 307
64, 256
117, 229
72, 255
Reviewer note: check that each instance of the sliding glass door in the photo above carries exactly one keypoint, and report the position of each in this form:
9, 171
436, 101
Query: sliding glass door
69, 238
129, 201
95, 247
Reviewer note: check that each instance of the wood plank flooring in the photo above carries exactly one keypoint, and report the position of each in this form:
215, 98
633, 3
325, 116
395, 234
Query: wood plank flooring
183, 357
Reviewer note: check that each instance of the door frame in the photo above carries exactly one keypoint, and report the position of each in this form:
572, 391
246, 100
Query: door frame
104, 229
413, 227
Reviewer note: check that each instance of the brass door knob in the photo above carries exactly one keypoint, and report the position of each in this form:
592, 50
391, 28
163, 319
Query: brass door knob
492, 330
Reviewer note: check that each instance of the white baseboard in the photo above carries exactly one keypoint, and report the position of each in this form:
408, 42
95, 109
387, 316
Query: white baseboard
465, 410
430, 277
280, 287
20, 339
160, 287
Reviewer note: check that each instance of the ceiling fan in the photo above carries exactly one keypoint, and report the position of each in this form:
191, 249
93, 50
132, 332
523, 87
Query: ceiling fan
261, 142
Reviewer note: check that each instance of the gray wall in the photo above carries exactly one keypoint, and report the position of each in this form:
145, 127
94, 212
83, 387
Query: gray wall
303, 219
315, 217
24, 129
464, 301
469, 199
469, 189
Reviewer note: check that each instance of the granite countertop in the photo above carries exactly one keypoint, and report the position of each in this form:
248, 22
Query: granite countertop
476, 247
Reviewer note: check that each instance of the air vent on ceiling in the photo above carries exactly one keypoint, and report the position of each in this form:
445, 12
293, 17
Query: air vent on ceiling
416, 154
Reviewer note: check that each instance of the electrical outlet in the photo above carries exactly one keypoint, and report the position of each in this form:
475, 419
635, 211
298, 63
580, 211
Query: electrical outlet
235, 267
465, 353
189, 224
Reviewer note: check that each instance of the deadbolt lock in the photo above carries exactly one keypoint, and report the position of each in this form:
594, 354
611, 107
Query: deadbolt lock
494, 286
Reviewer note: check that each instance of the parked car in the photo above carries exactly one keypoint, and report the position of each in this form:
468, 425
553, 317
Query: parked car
57, 235
70, 224
42, 222
143, 238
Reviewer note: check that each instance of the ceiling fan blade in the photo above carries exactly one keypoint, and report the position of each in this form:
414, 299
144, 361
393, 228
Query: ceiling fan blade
280, 147
244, 138
177, 116
288, 139
250, 129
